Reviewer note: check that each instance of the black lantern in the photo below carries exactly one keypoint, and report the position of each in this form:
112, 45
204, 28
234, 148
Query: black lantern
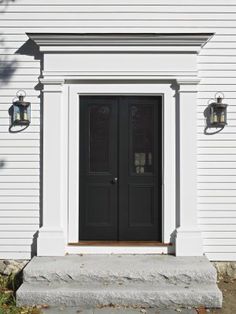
21, 110
218, 113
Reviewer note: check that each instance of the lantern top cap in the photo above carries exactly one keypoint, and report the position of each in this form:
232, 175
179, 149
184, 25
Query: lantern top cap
219, 96
20, 101
21, 93
218, 103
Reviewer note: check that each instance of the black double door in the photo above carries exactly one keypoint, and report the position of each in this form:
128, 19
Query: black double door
120, 168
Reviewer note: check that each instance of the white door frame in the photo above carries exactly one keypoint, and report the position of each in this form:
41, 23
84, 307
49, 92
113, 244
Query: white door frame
168, 175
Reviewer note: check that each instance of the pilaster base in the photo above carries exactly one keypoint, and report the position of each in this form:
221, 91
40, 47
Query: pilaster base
50, 242
188, 243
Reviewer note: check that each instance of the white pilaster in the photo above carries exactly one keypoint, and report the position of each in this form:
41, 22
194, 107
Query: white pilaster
188, 236
51, 239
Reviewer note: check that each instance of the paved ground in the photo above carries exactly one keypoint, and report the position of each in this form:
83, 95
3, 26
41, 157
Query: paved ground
117, 311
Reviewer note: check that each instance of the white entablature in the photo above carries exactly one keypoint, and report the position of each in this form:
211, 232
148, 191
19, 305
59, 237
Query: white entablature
120, 56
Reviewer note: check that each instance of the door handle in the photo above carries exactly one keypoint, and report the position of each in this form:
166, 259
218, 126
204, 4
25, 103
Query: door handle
114, 180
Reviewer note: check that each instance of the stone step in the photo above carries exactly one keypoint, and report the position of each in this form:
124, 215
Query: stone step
125, 269
143, 295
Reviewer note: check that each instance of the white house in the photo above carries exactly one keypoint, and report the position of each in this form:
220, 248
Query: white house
117, 148
125, 143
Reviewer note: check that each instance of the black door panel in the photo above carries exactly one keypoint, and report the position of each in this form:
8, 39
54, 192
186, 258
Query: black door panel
120, 168
98, 166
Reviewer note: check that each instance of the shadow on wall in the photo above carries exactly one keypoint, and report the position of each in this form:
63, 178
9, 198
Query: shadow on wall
7, 67
4, 4
30, 48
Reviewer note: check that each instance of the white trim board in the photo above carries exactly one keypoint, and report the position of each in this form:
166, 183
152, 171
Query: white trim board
70, 249
168, 182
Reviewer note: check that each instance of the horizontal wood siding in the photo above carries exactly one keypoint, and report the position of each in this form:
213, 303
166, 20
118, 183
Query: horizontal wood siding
20, 153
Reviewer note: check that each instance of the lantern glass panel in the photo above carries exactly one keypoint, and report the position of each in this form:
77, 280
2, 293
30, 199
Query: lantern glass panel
222, 116
16, 114
218, 114
26, 113
211, 115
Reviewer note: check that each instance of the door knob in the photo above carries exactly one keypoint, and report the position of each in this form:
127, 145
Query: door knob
114, 180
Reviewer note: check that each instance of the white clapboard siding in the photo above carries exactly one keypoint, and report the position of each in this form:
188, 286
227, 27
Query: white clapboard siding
19, 136
19, 213
20, 153
19, 192
13, 242
214, 172
219, 242
4, 235
18, 199
123, 29
217, 214
215, 206
19, 227
32, 129
23, 205
16, 254
217, 200
19, 185
217, 227
19, 220
216, 193
12, 248
219, 235
84, 7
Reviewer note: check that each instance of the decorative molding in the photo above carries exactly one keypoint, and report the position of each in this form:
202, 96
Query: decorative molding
60, 77
186, 85
145, 39
54, 78
52, 85
139, 49
188, 81
52, 81
73, 42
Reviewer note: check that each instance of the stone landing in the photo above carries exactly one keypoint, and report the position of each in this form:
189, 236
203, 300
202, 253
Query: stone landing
90, 281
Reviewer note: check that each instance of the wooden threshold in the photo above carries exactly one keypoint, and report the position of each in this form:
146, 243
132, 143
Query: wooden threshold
119, 243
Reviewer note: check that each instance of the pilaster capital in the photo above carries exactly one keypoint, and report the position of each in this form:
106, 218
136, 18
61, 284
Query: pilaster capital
188, 85
52, 85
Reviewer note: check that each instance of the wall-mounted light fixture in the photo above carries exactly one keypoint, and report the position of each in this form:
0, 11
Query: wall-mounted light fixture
21, 111
218, 112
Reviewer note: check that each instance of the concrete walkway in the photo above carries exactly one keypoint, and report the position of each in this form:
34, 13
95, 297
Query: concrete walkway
109, 310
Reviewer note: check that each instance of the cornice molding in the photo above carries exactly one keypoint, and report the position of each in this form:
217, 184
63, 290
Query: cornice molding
188, 79
55, 42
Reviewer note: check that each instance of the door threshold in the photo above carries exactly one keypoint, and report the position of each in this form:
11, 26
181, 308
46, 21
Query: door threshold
121, 243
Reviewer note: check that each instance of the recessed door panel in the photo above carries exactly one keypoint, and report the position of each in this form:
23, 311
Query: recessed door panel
120, 168
141, 209
98, 166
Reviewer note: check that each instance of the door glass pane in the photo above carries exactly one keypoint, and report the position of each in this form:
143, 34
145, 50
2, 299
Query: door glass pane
99, 124
141, 138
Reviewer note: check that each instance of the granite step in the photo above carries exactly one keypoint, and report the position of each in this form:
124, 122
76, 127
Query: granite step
125, 269
89, 281
140, 296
